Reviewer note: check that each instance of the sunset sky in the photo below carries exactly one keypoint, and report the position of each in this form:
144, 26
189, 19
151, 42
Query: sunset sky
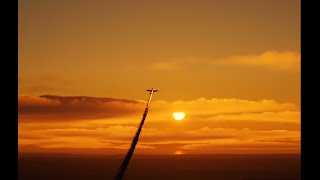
233, 67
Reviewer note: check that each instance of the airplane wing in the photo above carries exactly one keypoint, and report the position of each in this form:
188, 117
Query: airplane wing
150, 90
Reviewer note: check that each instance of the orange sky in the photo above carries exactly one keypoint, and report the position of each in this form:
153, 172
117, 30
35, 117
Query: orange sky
232, 66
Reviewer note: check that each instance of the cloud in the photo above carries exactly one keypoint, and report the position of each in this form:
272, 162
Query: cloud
275, 60
214, 106
205, 108
123, 134
81, 107
119, 137
73, 107
285, 116
287, 60
54, 123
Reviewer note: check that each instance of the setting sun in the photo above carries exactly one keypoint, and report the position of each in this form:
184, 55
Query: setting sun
178, 115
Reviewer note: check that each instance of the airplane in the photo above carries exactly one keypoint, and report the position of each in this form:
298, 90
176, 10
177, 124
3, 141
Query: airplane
152, 91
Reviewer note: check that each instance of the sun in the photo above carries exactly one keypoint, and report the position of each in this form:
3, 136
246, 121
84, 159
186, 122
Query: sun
178, 115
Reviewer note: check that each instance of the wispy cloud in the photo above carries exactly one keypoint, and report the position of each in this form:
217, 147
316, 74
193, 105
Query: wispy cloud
54, 123
275, 60
287, 60
119, 137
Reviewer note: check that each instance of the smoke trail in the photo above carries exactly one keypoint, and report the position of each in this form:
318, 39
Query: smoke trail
125, 162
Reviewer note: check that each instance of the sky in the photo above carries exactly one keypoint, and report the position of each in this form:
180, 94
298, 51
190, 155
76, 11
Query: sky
233, 67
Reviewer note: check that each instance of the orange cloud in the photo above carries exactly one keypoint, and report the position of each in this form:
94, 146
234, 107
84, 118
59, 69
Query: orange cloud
118, 137
277, 60
225, 106
288, 60
58, 108
284, 116
55, 123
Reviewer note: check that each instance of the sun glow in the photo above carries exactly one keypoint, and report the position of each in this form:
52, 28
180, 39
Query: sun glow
178, 115
178, 152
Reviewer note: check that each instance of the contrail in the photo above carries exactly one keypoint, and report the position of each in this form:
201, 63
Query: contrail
126, 160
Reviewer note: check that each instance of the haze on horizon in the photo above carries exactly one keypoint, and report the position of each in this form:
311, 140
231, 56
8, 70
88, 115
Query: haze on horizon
233, 67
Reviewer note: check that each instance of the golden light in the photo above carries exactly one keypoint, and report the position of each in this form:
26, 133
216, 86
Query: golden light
178, 115
178, 152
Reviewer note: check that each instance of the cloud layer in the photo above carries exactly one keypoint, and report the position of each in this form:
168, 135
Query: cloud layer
107, 125
274, 60
287, 60
74, 107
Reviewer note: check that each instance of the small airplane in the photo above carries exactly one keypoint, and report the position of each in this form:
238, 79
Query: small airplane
152, 91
